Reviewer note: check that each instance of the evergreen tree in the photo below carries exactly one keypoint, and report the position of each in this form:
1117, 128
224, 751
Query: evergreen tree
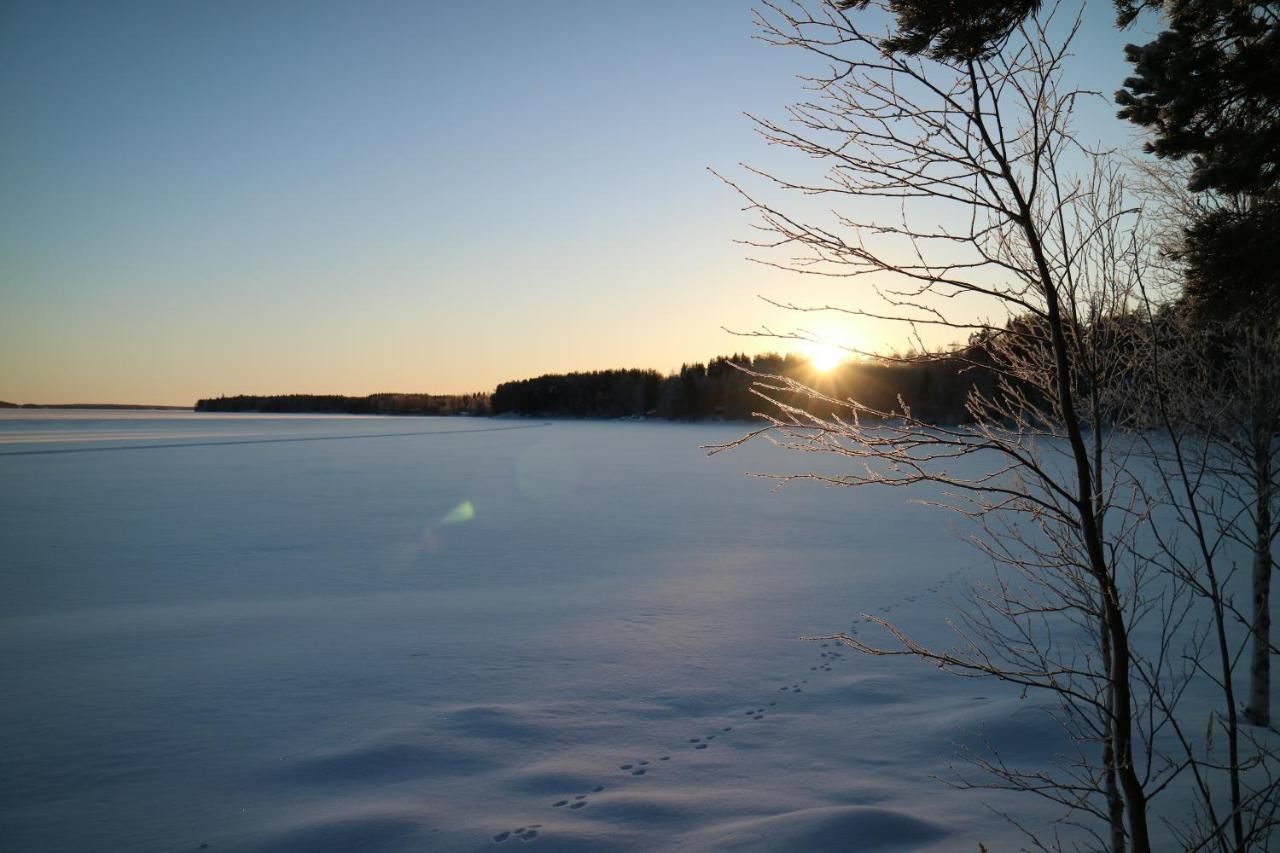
1208, 88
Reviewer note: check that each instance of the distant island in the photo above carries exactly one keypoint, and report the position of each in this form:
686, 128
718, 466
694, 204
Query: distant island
935, 389
336, 404
110, 406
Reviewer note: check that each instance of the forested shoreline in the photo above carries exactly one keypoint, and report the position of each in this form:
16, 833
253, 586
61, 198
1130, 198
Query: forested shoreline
935, 389
337, 404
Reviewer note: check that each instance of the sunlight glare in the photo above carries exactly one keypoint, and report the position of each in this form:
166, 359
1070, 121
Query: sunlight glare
825, 357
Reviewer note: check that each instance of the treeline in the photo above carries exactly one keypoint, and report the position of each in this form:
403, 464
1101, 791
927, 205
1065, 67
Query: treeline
109, 407
104, 406
336, 404
935, 389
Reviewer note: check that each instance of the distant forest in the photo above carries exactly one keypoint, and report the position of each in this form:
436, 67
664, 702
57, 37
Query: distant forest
373, 404
935, 389
106, 406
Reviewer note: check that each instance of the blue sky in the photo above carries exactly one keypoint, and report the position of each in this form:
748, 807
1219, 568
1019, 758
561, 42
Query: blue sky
273, 197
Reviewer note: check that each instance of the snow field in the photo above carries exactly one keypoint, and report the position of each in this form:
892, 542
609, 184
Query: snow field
307, 646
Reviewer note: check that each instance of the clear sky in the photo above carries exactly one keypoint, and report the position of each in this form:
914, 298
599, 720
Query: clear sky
203, 198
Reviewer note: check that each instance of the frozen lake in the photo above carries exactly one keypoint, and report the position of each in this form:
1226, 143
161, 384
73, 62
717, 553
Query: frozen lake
266, 633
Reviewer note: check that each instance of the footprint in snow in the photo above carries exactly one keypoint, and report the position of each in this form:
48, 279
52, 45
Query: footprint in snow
578, 801
640, 766
524, 833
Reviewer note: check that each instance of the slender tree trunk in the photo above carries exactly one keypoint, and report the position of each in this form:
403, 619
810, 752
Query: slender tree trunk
1258, 710
1135, 796
1233, 723
1114, 628
1115, 803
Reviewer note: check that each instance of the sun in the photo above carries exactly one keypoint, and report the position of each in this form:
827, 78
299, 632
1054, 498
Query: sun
825, 357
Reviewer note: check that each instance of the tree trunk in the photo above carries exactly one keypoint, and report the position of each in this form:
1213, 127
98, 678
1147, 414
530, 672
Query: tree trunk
1118, 677
1135, 797
1258, 710
1115, 803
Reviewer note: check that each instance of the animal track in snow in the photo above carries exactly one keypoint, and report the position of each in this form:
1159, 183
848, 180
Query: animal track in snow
827, 659
524, 833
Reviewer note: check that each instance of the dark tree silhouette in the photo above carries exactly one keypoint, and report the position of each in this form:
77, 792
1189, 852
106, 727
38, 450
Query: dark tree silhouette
1208, 88
374, 404
951, 30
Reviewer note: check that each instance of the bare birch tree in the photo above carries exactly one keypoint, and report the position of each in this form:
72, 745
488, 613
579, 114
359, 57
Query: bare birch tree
1220, 382
1193, 413
963, 194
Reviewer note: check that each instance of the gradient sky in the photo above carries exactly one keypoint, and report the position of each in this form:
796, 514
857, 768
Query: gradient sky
318, 197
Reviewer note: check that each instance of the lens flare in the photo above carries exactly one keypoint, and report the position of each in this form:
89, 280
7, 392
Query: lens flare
464, 511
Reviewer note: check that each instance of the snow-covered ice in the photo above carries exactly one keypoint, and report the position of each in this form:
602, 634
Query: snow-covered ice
392, 634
